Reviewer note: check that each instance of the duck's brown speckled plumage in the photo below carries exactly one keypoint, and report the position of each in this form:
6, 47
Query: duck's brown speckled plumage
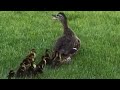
68, 40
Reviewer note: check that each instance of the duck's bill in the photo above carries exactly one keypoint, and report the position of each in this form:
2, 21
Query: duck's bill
54, 17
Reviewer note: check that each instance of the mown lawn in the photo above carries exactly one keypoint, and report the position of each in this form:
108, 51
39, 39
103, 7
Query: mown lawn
99, 31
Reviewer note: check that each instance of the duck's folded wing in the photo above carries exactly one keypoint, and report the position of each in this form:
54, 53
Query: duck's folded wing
64, 45
77, 43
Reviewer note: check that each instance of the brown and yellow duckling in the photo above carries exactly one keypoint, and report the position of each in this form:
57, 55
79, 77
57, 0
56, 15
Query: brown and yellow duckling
47, 57
21, 72
31, 57
40, 66
31, 69
57, 60
26, 64
11, 74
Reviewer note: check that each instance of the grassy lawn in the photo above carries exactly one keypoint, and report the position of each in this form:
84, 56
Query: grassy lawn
98, 57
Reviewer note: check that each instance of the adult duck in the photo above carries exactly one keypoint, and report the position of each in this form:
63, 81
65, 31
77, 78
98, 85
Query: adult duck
68, 44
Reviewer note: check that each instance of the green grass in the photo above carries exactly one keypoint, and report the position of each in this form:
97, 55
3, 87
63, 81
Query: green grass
98, 57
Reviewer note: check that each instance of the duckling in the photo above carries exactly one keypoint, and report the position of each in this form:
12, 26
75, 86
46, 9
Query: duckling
43, 62
40, 66
26, 64
21, 72
29, 58
32, 55
53, 56
23, 69
38, 70
31, 69
68, 41
47, 57
57, 60
11, 74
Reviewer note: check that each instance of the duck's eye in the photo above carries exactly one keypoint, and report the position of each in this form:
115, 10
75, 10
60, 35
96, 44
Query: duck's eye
59, 15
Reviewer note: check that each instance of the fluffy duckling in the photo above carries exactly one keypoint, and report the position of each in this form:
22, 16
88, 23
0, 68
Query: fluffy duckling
40, 66
37, 70
21, 72
43, 62
25, 69
11, 74
31, 69
57, 59
26, 64
31, 57
47, 57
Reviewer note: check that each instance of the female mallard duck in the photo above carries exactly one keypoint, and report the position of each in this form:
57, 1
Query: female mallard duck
68, 44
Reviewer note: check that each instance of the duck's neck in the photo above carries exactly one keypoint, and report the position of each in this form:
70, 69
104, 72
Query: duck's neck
67, 31
65, 25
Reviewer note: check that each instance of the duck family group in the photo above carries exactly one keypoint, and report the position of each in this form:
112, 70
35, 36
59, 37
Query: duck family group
65, 47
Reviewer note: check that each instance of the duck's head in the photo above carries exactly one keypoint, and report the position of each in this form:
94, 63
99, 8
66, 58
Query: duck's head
60, 16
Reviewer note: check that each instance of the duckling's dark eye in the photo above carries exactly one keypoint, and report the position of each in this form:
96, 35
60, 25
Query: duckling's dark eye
58, 15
